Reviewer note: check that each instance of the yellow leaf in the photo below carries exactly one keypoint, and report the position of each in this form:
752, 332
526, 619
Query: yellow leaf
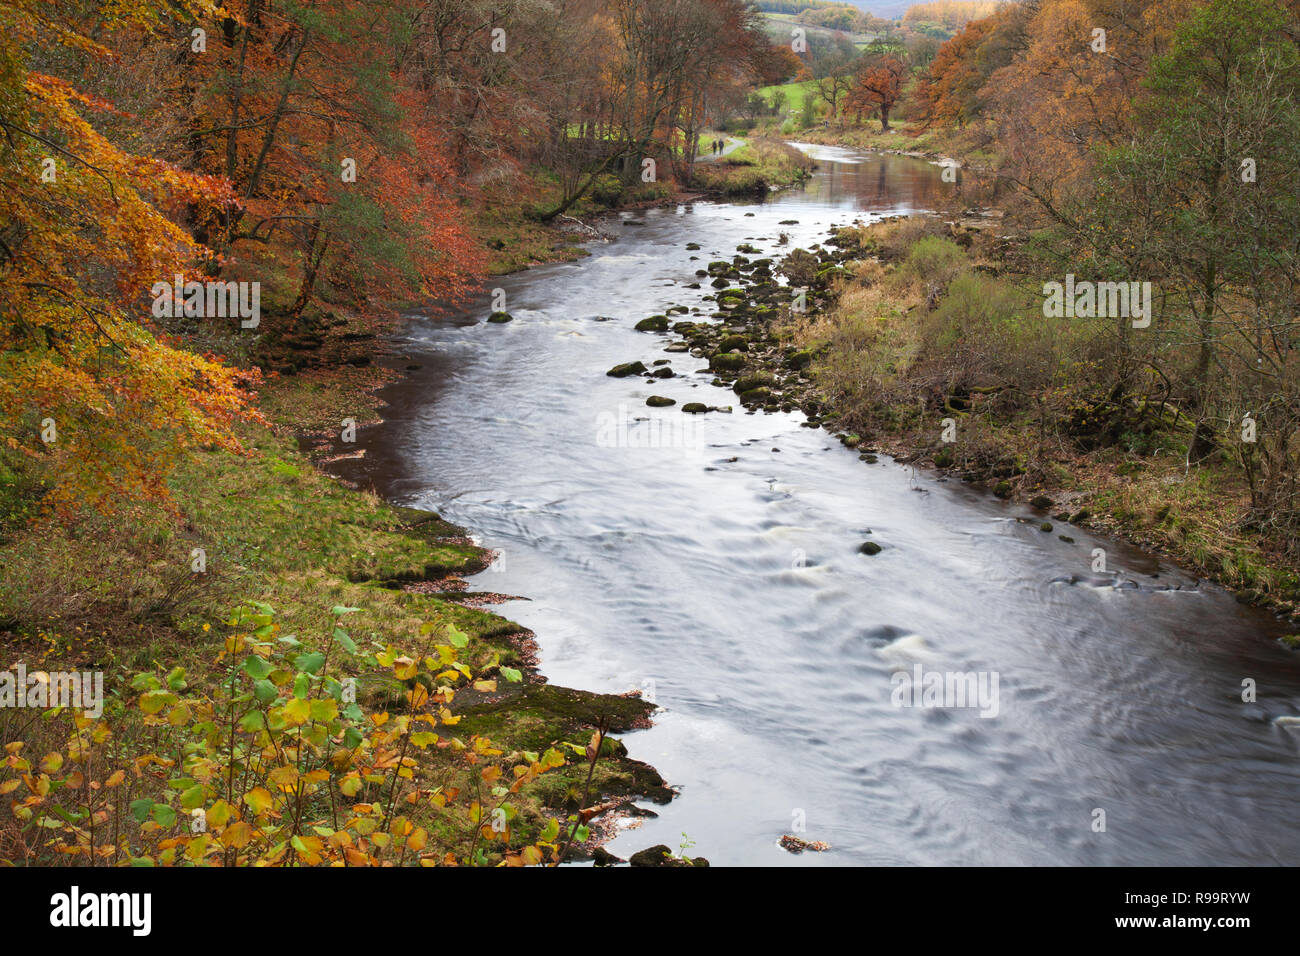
258, 799
237, 835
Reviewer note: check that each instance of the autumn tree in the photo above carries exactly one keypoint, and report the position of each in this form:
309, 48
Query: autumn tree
92, 395
877, 84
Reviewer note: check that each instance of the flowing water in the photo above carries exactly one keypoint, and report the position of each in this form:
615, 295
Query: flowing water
713, 561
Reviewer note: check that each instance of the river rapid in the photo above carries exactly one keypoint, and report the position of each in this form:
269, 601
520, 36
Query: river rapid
712, 561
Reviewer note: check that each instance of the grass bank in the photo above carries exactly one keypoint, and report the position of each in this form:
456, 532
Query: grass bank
754, 169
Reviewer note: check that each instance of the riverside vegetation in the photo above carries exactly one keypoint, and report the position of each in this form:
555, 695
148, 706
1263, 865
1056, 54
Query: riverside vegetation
1152, 143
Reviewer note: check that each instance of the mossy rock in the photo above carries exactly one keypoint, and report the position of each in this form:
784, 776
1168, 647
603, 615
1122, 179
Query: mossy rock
1045, 526
1002, 489
660, 855
733, 342
727, 361
695, 408
500, 317
756, 396
626, 369
800, 359
655, 323
692, 246
1041, 502
541, 714
660, 401
869, 548
757, 380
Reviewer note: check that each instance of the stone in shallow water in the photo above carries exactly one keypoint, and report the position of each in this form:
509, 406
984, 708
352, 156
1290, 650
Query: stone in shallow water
626, 369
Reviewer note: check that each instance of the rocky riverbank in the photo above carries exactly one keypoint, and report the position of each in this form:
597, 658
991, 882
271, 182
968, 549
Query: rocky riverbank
770, 338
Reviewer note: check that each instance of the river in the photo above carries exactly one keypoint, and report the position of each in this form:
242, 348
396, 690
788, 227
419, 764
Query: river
716, 566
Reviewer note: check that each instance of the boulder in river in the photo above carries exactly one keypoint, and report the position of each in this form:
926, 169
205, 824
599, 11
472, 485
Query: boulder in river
748, 383
660, 855
869, 547
660, 401
499, 317
695, 408
655, 323
626, 369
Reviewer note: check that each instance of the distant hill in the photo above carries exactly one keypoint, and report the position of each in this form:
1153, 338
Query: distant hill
889, 9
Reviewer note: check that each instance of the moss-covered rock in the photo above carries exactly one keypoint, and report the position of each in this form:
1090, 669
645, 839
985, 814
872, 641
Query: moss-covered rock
727, 361
655, 323
753, 381
626, 369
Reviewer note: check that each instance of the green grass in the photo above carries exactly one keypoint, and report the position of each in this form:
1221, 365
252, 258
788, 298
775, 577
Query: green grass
795, 93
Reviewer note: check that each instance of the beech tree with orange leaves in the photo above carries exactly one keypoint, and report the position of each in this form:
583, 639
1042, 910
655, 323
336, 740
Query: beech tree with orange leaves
877, 84
90, 392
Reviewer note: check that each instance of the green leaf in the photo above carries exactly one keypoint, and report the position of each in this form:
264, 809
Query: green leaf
256, 668
265, 691
338, 610
192, 798
143, 682
163, 814
252, 722
310, 662
152, 701
140, 809
344, 640
176, 678
511, 674
457, 637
